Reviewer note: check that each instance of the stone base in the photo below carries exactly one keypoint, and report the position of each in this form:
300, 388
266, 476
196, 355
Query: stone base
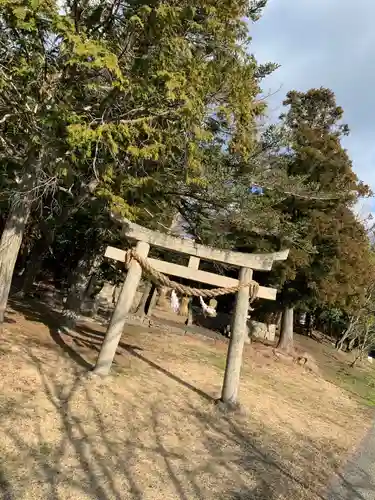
262, 331
229, 408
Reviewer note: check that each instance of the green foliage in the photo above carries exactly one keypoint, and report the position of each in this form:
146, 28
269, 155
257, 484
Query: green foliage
151, 108
132, 98
333, 272
87, 107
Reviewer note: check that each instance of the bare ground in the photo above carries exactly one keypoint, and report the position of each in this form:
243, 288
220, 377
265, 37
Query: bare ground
151, 430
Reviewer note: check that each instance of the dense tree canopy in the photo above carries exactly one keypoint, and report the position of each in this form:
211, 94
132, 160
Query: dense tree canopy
327, 265
119, 104
338, 240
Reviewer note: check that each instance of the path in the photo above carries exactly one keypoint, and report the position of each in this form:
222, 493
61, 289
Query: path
357, 479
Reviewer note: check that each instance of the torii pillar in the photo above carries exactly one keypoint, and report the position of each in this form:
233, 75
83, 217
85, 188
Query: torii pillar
246, 262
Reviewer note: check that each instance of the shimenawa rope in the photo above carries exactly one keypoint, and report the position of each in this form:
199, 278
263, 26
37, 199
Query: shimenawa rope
160, 279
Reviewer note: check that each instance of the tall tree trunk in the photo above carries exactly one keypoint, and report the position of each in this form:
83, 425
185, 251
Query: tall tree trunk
352, 343
48, 235
309, 324
141, 308
89, 292
162, 298
11, 240
363, 345
347, 333
34, 265
151, 304
184, 307
189, 320
354, 362
22, 258
340, 343
286, 333
79, 283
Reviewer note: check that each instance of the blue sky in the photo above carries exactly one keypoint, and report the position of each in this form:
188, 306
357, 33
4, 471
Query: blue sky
329, 43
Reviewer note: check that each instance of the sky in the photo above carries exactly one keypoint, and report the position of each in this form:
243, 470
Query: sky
325, 43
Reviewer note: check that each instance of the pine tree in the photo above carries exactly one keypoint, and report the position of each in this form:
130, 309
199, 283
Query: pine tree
333, 272
130, 96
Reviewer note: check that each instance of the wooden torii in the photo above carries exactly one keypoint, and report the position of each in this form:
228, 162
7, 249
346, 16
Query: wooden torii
144, 238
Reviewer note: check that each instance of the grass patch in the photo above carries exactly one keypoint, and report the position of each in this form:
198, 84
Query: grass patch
206, 356
358, 381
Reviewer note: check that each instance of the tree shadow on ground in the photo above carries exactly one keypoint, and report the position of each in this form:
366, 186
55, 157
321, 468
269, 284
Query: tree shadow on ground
87, 458
89, 338
112, 451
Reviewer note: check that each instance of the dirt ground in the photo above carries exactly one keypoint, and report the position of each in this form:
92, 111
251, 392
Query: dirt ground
151, 431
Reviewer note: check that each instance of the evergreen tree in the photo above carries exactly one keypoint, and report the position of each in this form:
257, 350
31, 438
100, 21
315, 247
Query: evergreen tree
119, 102
334, 271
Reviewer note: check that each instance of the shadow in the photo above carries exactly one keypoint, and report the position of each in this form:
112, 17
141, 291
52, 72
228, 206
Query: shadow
57, 337
91, 339
34, 310
114, 462
137, 436
216, 324
353, 489
5, 487
274, 479
133, 351
9, 320
98, 481
180, 328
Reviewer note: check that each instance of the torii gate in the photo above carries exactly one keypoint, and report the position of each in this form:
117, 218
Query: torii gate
246, 262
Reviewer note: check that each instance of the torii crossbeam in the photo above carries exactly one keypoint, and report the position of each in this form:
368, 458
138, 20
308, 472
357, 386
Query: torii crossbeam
246, 262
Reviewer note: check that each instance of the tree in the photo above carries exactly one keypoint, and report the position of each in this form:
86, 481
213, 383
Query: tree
50, 223
360, 331
334, 272
126, 96
308, 191
359, 325
42, 58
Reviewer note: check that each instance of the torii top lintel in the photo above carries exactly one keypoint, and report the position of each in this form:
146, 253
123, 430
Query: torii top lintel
258, 262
